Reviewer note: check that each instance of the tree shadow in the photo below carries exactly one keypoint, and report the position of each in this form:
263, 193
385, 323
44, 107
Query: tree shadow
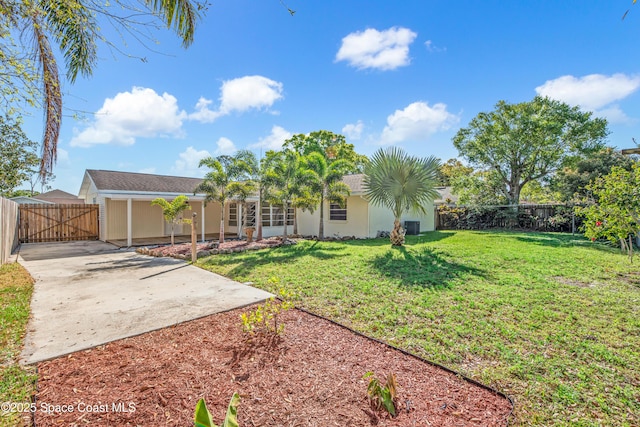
421, 267
281, 255
429, 236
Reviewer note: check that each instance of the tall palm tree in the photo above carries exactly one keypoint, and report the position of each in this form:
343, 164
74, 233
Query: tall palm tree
328, 182
72, 26
222, 181
402, 183
285, 178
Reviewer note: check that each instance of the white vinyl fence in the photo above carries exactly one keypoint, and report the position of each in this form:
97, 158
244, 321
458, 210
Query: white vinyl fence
8, 228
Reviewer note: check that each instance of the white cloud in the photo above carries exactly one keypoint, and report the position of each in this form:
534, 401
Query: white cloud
225, 146
63, 160
240, 95
384, 50
353, 130
274, 140
187, 163
433, 48
130, 115
595, 92
417, 122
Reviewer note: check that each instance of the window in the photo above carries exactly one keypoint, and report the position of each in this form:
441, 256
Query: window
337, 212
233, 215
273, 216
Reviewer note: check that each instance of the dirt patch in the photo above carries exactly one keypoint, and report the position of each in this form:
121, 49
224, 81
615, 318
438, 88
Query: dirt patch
311, 376
573, 282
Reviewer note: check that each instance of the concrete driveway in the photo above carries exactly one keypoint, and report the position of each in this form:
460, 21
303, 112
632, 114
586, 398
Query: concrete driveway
91, 293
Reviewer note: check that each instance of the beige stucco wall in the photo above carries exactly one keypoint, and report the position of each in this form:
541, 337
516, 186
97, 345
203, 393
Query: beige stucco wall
146, 220
363, 220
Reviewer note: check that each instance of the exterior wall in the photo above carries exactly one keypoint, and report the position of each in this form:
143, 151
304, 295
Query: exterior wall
355, 225
146, 220
212, 217
381, 219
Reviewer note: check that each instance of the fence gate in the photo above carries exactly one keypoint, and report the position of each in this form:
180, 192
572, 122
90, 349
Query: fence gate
58, 223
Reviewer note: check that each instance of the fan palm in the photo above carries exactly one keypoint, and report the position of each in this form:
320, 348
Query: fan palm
328, 184
72, 25
401, 183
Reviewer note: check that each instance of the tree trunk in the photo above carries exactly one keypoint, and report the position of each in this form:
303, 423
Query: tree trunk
221, 238
397, 234
259, 216
284, 208
321, 226
295, 221
173, 225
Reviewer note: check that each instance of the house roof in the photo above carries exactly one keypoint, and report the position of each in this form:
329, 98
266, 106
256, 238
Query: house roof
142, 182
445, 193
355, 182
58, 197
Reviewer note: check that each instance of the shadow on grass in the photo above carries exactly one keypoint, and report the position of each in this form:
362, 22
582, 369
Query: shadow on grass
430, 236
422, 267
248, 261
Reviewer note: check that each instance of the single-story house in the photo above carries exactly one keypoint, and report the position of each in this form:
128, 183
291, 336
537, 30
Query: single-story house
126, 212
53, 197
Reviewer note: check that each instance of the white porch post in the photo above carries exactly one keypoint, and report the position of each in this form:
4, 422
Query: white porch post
202, 222
239, 220
129, 222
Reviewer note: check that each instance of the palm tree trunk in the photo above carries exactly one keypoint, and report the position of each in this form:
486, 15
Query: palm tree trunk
397, 234
221, 238
321, 226
295, 221
173, 224
284, 208
259, 216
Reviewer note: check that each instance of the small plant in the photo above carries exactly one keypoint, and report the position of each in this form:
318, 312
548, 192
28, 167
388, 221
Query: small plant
382, 397
202, 417
264, 319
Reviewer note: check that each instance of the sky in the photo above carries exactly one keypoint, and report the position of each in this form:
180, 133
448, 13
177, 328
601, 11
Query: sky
382, 73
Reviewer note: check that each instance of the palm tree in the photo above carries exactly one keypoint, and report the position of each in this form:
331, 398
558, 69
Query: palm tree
245, 171
222, 182
172, 210
402, 183
328, 182
285, 178
73, 27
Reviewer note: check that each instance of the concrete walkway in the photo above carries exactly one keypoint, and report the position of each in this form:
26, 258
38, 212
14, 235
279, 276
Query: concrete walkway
90, 293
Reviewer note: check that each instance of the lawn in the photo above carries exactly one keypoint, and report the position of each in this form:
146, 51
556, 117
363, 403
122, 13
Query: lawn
17, 383
549, 319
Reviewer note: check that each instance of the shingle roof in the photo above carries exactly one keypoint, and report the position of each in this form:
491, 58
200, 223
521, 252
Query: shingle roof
142, 182
58, 196
354, 182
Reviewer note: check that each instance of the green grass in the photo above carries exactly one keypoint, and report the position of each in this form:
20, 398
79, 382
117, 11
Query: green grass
17, 383
550, 319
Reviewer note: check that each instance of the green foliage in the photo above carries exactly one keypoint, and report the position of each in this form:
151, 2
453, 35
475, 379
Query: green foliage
172, 210
480, 188
382, 396
401, 183
263, 320
203, 418
332, 146
451, 169
17, 383
528, 141
18, 159
615, 213
571, 181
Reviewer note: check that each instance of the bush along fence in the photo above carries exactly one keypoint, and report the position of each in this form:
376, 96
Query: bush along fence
8, 228
559, 218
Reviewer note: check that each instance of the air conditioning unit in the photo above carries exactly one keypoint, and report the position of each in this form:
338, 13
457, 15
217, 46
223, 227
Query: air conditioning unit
412, 228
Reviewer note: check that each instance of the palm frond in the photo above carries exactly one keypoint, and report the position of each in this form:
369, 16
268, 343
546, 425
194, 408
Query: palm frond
181, 15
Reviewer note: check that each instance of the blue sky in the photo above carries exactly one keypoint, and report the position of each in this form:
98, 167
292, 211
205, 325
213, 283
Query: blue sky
404, 73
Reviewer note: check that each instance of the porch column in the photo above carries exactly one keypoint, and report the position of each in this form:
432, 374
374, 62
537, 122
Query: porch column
129, 221
202, 223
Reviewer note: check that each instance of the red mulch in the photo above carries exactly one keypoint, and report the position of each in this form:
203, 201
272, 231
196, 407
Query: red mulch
228, 246
311, 376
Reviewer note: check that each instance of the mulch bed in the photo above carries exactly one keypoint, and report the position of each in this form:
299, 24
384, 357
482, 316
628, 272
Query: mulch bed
311, 375
183, 250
